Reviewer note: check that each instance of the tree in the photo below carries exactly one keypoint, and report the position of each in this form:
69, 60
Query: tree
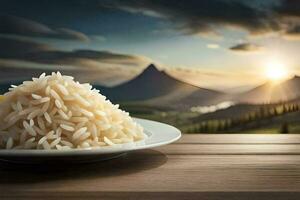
284, 128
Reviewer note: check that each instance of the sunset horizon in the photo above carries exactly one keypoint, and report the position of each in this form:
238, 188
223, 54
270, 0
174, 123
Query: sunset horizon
128, 35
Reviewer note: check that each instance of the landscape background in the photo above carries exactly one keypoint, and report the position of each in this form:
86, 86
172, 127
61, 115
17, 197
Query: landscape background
210, 66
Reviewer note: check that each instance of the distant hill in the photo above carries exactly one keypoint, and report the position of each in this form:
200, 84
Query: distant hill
272, 93
150, 83
156, 87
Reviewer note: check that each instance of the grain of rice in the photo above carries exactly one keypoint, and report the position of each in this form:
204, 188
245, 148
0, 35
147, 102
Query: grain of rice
29, 129
47, 117
100, 113
79, 119
79, 132
54, 94
58, 132
50, 134
57, 103
10, 143
70, 114
61, 121
65, 148
34, 114
54, 142
47, 90
45, 107
64, 108
80, 125
27, 110
58, 74
108, 141
85, 135
13, 120
14, 106
19, 106
35, 96
41, 122
46, 145
10, 115
81, 100
42, 140
86, 113
103, 127
40, 101
66, 143
68, 98
84, 145
42, 75
67, 127
62, 89
63, 115
31, 122
94, 131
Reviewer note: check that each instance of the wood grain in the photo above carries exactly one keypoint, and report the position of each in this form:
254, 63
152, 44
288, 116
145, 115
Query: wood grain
234, 149
224, 169
240, 139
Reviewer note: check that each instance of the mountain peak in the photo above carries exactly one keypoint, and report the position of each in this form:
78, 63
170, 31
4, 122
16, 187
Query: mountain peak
151, 68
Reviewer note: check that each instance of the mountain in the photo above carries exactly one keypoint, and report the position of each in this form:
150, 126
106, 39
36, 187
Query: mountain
156, 87
272, 93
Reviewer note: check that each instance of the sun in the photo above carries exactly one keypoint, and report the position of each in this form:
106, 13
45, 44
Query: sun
276, 71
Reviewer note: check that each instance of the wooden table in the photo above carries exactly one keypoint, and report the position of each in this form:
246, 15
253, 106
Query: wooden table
196, 167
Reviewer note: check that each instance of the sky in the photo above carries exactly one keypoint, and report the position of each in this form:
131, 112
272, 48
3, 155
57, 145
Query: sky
219, 44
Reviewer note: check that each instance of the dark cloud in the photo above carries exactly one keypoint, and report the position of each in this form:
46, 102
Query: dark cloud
288, 8
205, 16
25, 50
17, 48
246, 47
13, 25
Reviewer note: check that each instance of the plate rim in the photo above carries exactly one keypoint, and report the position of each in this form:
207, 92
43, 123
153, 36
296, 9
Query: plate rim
101, 151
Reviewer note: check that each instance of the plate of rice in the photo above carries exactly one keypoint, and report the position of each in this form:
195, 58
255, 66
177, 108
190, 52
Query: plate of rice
54, 117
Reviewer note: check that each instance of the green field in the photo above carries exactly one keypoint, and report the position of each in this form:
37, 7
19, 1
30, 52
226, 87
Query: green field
273, 119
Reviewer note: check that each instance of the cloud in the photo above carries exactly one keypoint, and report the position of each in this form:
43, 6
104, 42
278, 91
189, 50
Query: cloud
208, 17
12, 25
292, 33
209, 78
14, 71
26, 50
18, 48
203, 17
213, 46
288, 8
246, 47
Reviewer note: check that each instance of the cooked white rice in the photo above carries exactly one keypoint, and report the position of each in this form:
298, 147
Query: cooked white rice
55, 112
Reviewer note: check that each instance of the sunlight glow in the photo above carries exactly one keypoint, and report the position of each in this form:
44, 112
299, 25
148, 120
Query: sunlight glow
276, 71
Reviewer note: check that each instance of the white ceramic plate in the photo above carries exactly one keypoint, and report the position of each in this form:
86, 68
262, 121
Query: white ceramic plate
158, 134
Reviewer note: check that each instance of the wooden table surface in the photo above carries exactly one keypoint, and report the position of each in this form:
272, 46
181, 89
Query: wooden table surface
196, 167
